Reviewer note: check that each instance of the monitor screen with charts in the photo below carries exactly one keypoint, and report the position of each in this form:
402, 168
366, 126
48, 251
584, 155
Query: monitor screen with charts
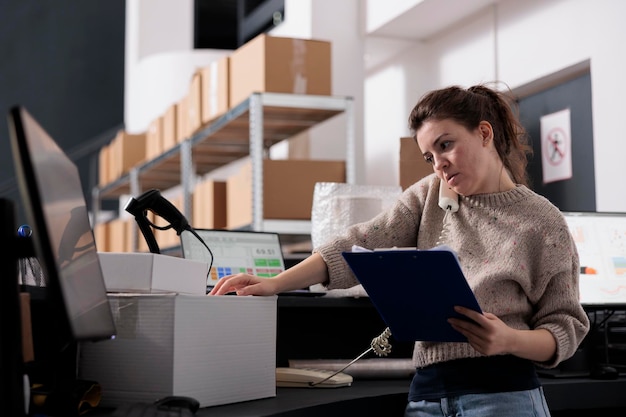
601, 242
255, 253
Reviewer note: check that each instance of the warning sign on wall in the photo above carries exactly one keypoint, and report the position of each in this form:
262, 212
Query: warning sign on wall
556, 146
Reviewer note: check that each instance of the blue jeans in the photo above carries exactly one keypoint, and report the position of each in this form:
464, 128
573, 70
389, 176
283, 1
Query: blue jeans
531, 403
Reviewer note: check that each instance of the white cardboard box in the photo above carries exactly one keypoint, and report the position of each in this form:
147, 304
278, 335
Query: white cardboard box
152, 273
216, 349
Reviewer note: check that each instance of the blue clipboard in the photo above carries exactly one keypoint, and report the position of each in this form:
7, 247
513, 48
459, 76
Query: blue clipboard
415, 291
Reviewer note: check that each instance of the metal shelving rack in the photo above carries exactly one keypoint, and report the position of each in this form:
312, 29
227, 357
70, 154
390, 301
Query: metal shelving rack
247, 129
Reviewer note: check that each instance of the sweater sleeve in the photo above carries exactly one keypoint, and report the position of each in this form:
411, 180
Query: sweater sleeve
558, 307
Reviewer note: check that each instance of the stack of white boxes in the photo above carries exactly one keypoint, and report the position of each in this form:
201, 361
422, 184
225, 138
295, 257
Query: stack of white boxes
216, 349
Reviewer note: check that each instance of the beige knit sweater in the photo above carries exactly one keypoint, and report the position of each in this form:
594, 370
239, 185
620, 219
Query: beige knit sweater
515, 250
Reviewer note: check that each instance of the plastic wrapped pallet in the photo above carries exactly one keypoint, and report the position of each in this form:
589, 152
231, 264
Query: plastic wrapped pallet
336, 206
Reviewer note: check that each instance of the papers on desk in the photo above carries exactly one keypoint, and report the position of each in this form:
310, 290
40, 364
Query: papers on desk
414, 291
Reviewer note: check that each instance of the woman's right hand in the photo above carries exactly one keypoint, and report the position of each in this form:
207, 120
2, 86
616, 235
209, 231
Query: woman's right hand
244, 284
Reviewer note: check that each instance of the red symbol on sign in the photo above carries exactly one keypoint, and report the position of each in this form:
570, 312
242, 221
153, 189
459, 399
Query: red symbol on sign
555, 146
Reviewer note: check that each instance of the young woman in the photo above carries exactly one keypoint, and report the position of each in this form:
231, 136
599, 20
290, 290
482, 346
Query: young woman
514, 247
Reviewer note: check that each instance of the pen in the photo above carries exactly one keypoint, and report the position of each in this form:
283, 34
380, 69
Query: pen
588, 270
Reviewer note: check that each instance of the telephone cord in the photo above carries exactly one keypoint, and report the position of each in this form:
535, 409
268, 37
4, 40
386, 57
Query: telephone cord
444, 228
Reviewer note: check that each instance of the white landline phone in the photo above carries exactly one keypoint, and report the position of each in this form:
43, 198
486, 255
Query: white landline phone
448, 199
306, 377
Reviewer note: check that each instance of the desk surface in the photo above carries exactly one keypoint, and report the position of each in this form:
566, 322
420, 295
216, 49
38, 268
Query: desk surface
388, 397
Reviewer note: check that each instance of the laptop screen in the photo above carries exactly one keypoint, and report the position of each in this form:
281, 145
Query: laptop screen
601, 242
255, 253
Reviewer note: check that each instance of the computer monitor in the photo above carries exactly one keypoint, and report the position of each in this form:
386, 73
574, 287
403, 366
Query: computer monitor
600, 238
55, 206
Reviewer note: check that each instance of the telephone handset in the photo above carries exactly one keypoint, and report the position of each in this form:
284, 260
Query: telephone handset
449, 202
448, 199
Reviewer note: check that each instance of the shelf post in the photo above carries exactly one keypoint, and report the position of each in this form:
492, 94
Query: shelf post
350, 143
256, 157
186, 176
135, 190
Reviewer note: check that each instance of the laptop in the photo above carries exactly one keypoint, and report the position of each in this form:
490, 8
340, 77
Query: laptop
233, 252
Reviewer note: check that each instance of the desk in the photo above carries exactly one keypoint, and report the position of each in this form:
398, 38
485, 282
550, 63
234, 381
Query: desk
388, 398
574, 397
350, 319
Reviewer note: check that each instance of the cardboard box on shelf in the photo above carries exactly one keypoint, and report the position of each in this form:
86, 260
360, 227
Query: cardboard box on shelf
125, 151
209, 205
170, 128
287, 189
152, 273
413, 167
280, 65
194, 104
154, 138
182, 119
188, 345
101, 236
117, 234
215, 89
104, 166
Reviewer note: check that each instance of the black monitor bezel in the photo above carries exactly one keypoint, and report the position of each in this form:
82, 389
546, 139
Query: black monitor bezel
30, 194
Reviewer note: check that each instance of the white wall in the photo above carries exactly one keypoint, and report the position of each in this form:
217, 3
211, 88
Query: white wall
159, 58
513, 41
339, 23
516, 42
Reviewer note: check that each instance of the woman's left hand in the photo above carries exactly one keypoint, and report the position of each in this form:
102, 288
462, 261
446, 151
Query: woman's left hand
486, 332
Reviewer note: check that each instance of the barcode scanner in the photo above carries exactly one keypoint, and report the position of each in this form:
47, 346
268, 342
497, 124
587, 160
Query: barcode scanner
153, 200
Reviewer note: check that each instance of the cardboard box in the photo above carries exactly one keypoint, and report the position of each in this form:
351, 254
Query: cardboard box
182, 119
125, 151
101, 236
152, 273
154, 138
215, 89
280, 65
413, 167
287, 189
218, 350
194, 104
209, 205
117, 234
170, 127
104, 166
